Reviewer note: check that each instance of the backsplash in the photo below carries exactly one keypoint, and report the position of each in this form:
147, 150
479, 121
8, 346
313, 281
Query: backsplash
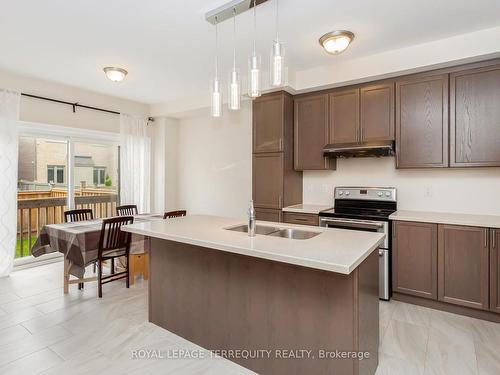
475, 191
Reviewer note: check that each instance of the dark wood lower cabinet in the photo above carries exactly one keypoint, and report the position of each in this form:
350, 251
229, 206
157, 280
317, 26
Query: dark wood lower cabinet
298, 218
463, 259
267, 214
414, 259
495, 271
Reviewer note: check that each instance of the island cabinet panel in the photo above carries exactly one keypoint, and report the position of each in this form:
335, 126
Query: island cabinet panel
377, 112
475, 117
344, 116
267, 214
463, 260
422, 122
311, 133
268, 123
299, 218
414, 259
225, 301
268, 180
495, 271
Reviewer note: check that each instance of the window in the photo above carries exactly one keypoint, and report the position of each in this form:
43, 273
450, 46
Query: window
55, 174
99, 176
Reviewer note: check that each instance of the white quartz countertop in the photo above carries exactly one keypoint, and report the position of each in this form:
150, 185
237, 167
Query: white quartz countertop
487, 221
335, 250
306, 208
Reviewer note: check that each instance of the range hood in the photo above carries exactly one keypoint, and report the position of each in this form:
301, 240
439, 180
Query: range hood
368, 149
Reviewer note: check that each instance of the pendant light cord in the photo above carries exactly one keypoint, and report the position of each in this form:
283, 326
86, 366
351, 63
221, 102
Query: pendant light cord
277, 20
254, 26
234, 38
216, 49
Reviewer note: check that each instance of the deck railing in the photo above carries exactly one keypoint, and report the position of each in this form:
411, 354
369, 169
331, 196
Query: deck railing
36, 209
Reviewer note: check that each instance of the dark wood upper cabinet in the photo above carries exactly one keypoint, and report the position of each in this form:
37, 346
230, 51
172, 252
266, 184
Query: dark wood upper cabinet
311, 133
344, 116
495, 271
377, 112
414, 259
422, 122
475, 117
268, 180
268, 123
463, 259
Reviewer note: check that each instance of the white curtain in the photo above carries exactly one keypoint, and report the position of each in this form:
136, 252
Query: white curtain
135, 162
9, 115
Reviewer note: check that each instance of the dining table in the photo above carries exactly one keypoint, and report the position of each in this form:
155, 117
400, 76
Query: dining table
79, 243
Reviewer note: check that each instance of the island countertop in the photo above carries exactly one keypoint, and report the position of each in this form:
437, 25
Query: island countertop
334, 250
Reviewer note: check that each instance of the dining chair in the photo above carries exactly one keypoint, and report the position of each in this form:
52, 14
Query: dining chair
172, 214
113, 243
83, 214
127, 210
73, 216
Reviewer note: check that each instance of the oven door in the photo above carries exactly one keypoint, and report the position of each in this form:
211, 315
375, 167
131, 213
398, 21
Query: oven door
354, 224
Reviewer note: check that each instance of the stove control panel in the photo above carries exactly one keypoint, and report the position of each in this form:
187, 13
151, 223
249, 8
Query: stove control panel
367, 193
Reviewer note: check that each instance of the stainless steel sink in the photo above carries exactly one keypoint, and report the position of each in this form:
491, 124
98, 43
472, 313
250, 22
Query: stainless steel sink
294, 234
260, 229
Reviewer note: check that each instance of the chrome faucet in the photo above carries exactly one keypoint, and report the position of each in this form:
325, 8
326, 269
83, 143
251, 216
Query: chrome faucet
251, 220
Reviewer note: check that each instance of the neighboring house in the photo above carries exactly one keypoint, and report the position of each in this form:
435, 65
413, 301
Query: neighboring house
43, 162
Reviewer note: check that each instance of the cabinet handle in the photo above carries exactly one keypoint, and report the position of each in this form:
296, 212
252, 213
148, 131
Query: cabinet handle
280, 202
485, 238
300, 219
493, 239
357, 134
361, 138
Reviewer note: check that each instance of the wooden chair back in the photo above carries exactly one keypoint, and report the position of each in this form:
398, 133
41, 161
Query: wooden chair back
112, 237
72, 216
127, 210
172, 214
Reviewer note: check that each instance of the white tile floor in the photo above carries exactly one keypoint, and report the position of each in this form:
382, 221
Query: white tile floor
44, 332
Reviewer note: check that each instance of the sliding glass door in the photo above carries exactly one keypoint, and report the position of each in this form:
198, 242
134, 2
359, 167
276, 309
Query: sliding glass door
57, 173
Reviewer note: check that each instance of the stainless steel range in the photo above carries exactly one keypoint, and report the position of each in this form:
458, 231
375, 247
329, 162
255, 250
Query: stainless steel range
366, 209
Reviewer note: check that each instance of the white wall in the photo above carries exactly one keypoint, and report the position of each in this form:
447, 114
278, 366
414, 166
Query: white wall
475, 190
214, 163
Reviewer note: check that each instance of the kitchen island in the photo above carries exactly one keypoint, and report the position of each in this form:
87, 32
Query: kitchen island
298, 306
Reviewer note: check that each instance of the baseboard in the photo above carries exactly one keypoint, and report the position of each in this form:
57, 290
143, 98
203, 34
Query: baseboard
30, 261
443, 306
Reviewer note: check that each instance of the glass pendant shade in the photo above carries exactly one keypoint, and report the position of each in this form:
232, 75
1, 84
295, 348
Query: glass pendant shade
216, 98
234, 90
277, 64
254, 76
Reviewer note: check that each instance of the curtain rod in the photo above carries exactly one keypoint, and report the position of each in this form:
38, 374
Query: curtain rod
75, 105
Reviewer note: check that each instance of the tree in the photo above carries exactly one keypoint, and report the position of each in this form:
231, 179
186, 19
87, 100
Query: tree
107, 181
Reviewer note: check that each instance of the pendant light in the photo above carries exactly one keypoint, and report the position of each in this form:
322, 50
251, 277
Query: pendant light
277, 70
234, 75
216, 93
254, 71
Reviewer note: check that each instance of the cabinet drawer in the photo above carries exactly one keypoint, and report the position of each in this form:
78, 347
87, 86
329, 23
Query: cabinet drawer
266, 214
304, 219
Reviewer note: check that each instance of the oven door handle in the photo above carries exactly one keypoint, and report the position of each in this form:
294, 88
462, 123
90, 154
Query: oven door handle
365, 224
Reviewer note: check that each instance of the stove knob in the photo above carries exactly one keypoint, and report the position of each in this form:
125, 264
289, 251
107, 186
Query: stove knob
347, 193
387, 194
341, 193
379, 193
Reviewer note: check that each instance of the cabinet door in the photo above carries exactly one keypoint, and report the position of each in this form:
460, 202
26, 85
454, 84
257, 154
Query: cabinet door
377, 113
311, 133
266, 214
463, 266
414, 259
344, 116
267, 114
475, 117
422, 122
495, 271
268, 180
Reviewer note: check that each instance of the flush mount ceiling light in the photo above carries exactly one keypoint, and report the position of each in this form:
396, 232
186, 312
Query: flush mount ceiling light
115, 74
336, 42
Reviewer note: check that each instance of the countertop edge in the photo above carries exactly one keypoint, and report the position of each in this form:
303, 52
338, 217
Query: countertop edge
451, 218
345, 270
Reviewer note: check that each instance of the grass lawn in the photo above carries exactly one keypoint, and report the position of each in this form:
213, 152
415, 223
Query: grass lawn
26, 247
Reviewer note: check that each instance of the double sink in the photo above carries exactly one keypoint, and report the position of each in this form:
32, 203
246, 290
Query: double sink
291, 233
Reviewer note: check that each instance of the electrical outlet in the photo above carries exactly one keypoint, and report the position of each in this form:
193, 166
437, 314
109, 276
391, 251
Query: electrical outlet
428, 191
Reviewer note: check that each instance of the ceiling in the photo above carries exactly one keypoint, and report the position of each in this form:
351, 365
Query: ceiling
167, 46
